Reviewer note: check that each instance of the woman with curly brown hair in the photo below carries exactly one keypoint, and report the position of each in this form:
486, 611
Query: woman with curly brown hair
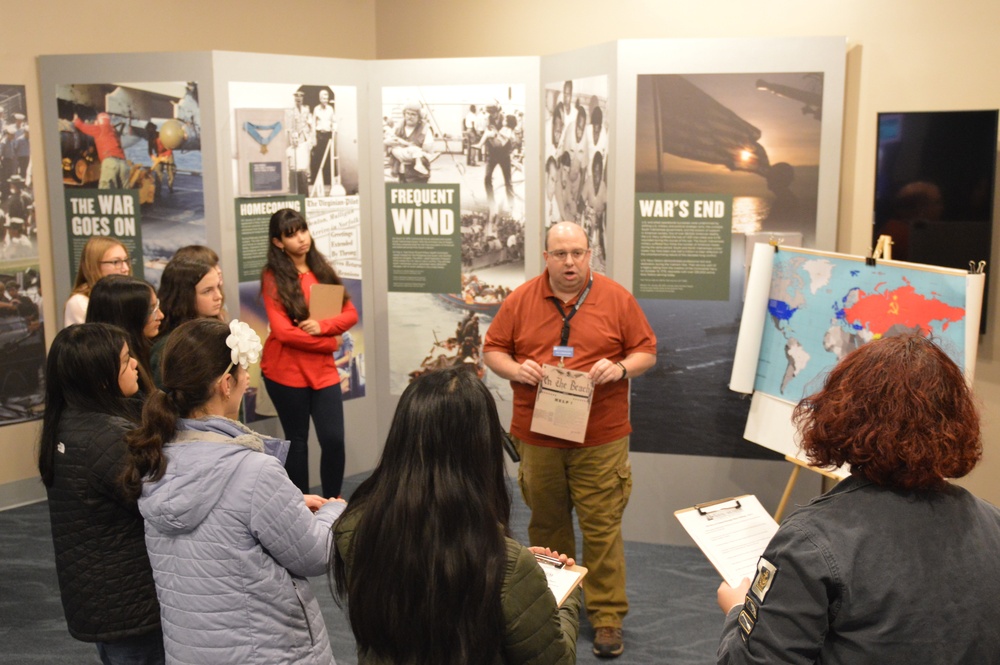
894, 564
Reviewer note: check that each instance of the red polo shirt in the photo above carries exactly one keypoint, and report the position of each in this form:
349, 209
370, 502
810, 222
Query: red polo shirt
609, 325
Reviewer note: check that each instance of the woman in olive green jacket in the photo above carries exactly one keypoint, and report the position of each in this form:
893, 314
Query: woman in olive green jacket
424, 556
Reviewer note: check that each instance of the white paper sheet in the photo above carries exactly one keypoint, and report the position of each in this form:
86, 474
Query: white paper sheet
732, 533
563, 580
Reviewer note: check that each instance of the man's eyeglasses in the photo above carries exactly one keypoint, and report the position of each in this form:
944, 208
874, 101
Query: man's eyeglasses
561, 254
117, 263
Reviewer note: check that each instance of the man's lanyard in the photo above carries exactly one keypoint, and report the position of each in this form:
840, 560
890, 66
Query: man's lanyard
566, 317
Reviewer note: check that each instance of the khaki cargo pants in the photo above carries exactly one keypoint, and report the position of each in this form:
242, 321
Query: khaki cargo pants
596, 481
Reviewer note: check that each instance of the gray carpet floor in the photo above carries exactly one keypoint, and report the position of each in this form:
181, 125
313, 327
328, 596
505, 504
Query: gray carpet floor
673, 617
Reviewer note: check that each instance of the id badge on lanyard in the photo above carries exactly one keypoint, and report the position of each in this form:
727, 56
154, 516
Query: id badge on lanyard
564, 350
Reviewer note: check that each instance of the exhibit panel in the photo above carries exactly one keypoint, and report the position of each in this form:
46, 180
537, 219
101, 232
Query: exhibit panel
124, 136
453, 228
308, 117
22, 329
193, 200
426, 183
727, 137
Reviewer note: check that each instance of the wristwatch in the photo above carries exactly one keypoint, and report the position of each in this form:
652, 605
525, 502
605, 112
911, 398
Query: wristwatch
624, 371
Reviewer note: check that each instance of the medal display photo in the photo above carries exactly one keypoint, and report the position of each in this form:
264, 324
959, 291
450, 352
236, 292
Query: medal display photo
262, 147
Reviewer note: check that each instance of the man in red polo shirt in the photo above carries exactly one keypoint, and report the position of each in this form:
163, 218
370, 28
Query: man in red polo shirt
594, 325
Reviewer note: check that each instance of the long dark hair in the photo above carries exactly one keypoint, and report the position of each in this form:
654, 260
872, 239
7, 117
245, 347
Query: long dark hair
178, 297
125, 301
81, 371
285, 223
195, 356
434, 512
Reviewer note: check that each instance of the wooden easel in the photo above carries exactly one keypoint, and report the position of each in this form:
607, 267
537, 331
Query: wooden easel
798, 465
883, 248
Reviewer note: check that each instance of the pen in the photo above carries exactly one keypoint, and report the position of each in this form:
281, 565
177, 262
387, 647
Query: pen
551, 560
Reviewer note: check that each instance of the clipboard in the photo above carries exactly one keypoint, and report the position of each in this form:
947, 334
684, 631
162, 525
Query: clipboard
561, 579
325, 301
731, 532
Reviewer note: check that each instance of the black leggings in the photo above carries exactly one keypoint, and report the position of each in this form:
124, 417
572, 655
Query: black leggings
326, 406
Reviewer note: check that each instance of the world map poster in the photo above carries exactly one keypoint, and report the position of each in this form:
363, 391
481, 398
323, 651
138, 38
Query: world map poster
821, 306
804, 310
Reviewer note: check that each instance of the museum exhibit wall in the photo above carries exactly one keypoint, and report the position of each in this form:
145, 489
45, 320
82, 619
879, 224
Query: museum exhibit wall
606, 76
332, 28
901, 57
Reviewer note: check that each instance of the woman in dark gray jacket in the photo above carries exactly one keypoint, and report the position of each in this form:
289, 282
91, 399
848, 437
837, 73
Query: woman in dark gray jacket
105, 578
895, 564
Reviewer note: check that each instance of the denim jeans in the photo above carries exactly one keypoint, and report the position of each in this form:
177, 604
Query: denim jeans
142, 650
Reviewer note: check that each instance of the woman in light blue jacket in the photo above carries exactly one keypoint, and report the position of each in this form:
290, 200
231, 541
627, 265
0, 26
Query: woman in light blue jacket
230, 538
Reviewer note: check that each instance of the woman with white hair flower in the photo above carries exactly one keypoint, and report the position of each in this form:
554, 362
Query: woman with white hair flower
230, 538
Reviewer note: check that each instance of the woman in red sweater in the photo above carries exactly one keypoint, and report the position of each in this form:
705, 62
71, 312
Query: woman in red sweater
297, 364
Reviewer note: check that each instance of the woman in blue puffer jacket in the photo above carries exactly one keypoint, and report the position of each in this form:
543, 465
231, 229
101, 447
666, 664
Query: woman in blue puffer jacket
231, 540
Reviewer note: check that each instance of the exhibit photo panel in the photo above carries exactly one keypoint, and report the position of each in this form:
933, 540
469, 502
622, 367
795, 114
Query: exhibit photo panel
454, 170
22, 333
721, 156
295, 145
131, 169
575, 176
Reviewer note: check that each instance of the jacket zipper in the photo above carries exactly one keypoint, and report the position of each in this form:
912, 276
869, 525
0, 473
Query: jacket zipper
305, 615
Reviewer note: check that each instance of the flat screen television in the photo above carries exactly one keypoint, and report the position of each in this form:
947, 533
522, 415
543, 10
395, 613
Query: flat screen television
934, 187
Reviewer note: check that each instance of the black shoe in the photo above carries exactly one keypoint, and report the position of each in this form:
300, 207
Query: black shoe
608, 642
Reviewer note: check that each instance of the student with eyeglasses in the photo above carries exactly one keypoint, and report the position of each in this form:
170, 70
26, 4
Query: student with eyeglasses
131, 304
100, 256
571, 317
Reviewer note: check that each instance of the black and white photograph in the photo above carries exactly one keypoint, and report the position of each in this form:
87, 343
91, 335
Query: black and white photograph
22, 333
576, 159
473, 136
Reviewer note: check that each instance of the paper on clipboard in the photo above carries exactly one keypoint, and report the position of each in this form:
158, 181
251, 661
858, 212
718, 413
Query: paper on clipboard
563, 580
325, 301
732, 533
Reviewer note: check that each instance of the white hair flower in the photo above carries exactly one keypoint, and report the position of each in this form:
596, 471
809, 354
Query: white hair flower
244, 342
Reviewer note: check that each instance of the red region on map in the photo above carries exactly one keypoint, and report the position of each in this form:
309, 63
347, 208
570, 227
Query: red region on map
878, 311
